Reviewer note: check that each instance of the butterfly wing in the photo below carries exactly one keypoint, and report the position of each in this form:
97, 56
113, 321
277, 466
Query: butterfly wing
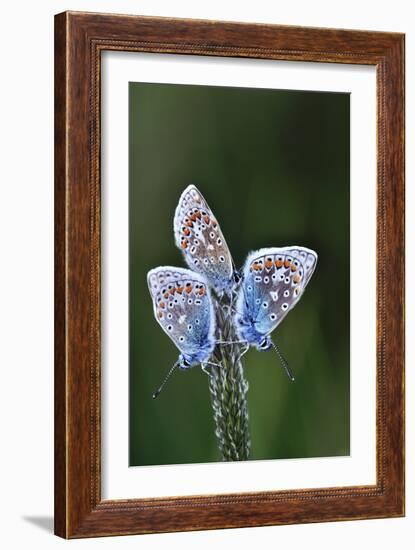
198, 235
183, 307
274, 280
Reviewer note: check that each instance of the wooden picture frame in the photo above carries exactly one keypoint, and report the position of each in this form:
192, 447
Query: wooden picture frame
79, 40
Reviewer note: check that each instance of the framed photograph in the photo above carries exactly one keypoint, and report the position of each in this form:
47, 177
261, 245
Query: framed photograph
229, 275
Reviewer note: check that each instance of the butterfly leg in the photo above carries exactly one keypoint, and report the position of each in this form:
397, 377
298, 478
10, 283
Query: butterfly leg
204, 369
229, 342
206, 363
214, 364
245, 349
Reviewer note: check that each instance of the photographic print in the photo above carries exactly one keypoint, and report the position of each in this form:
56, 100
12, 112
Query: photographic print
239, 277
229, 285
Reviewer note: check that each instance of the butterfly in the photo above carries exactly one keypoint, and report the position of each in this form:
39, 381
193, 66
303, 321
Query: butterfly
183, 307
273, 281
198, 235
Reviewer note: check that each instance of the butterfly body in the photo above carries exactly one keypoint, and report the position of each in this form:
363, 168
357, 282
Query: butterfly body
199, 236
274, 280
183, 308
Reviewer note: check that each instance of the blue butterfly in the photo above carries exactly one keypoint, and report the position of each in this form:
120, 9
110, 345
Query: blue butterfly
273, 281
183, 307
198, 234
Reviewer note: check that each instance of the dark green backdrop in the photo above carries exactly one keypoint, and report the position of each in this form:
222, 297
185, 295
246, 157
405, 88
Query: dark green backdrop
274, 167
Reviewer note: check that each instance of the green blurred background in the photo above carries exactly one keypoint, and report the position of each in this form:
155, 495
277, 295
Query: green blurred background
274, 167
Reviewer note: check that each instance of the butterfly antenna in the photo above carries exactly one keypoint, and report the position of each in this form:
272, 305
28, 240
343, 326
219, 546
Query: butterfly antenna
284, 363
158, 392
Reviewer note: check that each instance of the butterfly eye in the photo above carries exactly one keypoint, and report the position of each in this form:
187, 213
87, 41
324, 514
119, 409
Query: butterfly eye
264, 344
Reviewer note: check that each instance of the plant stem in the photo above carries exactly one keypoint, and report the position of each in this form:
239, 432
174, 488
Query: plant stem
228, 388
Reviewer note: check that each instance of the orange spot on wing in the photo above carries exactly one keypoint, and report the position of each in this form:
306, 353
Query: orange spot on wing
189, 289
160, 314
207, 220
278, 263
162, 305
189, 223
172, 290
198, 214
257, 267
268, 264
184, 244
166, 295
293, 268
297, 278
179, 289
186, 231
193, 217
201, 291
287, 263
